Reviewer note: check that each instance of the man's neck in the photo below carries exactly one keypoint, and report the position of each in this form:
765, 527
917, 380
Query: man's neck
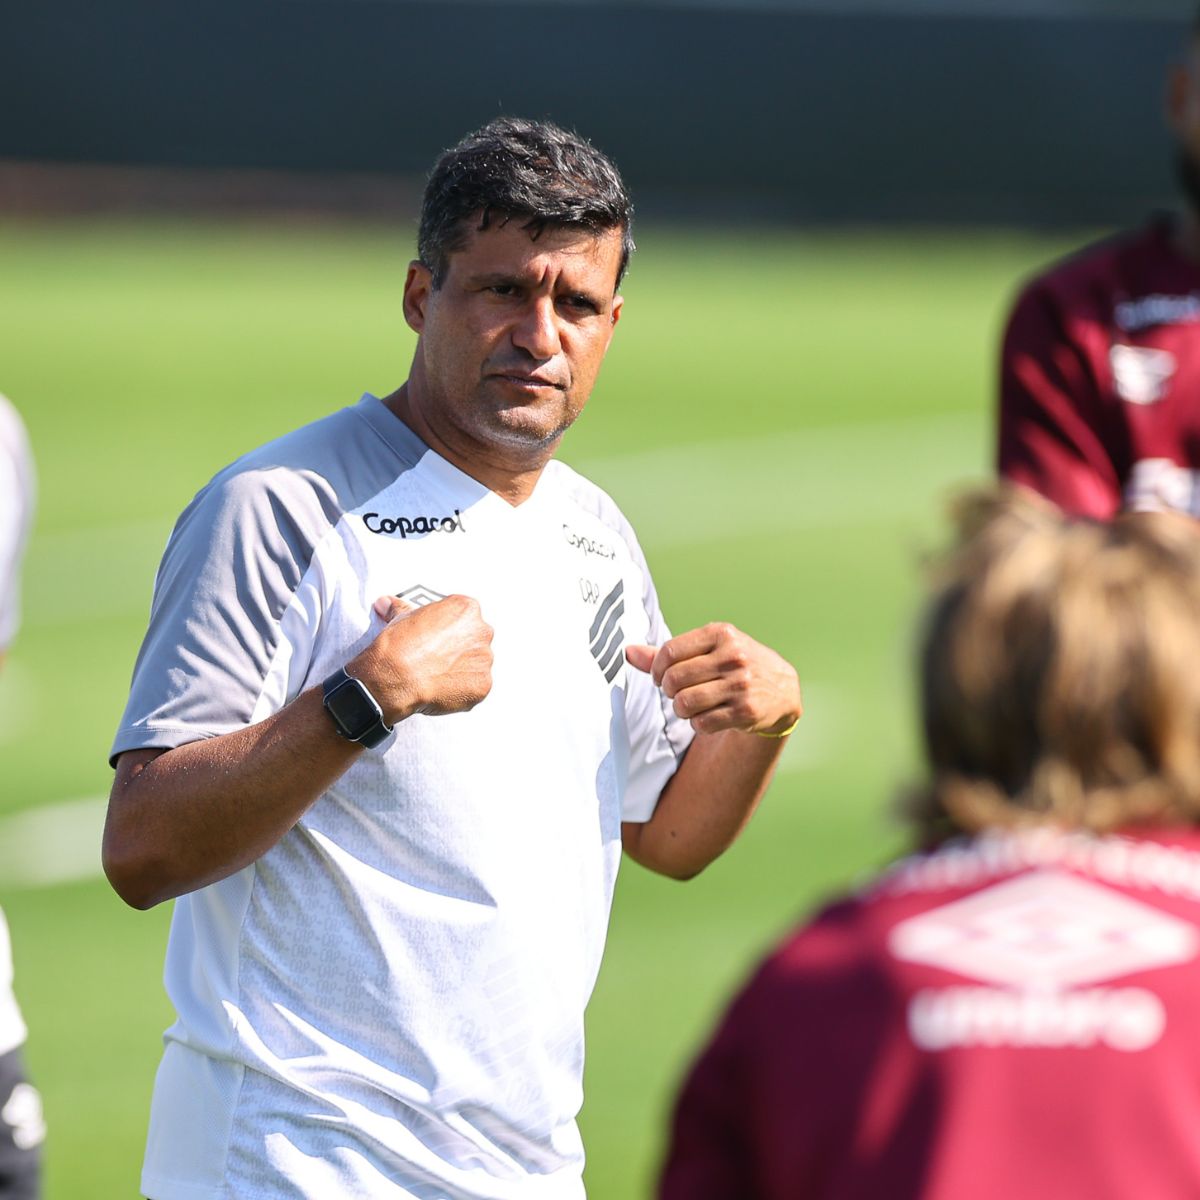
512, 482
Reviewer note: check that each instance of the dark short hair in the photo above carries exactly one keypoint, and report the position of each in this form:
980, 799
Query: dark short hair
530, 171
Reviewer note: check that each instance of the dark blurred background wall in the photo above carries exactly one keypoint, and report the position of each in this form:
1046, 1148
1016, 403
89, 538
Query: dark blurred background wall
935, 110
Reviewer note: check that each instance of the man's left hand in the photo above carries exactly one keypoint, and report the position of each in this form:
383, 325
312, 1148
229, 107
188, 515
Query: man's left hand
719, 678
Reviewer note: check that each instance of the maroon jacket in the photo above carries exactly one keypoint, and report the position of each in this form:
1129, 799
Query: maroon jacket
1100, 379
1013, 1017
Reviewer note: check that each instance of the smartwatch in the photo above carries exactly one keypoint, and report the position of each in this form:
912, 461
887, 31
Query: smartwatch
355, 712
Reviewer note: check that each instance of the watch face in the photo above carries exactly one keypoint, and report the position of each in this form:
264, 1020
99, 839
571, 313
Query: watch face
353, 708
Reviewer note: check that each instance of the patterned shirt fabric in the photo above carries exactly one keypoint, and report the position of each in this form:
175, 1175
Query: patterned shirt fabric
1100, 371
1008, 1016
389, 1003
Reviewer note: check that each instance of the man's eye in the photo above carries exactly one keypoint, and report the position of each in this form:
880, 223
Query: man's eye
581, 303
503, 289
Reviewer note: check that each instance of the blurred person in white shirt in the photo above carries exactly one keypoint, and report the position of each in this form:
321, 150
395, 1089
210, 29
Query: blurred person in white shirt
22, 1129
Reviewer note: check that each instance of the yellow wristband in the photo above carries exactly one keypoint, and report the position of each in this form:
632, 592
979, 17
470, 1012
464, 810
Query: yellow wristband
783, 733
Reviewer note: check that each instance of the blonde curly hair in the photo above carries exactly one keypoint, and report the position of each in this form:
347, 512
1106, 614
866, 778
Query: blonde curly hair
1060, 670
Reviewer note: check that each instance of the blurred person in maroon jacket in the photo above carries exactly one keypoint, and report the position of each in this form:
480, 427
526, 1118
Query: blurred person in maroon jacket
1010, 1011
1100, 367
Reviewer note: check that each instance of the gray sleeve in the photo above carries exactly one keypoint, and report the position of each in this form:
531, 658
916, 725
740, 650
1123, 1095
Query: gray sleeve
233, 563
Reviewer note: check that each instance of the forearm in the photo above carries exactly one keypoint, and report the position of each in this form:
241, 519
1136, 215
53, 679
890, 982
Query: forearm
193, 815
706, 804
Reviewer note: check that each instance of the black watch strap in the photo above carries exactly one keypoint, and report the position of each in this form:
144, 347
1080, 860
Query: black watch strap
355, 713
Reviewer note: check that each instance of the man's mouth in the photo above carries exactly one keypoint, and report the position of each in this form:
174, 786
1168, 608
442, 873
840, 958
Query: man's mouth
526, 381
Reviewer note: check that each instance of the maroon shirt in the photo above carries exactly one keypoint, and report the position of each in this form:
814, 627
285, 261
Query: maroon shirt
1100, 379
1013, 1017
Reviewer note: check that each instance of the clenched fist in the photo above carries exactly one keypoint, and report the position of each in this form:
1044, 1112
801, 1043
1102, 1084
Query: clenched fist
434, 660
720, 678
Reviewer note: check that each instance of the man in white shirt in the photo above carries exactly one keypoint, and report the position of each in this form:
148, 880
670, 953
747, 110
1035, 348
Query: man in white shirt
22, 1129
405, 695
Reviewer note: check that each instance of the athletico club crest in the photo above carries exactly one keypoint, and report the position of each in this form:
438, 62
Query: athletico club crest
420, 595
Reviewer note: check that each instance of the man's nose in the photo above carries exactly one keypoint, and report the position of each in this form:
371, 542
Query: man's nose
536, 332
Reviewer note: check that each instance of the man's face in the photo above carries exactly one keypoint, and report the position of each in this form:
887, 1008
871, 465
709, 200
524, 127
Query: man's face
511, 342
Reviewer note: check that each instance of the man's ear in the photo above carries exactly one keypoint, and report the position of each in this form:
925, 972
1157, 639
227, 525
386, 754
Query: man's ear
418, 286
614, 316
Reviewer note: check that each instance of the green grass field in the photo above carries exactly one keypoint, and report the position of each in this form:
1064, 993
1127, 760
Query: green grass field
781, 417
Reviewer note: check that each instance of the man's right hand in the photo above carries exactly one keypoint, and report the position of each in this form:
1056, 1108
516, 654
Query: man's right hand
187, 817
436, 659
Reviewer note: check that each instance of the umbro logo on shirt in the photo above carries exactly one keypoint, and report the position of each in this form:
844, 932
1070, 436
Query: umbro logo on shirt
413, 526
606, 636
1040, 943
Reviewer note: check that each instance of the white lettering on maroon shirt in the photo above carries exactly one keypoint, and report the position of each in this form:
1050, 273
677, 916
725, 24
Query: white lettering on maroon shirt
1127, 1019
1157, 309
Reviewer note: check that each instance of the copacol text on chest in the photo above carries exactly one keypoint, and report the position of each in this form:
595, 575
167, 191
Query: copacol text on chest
413, 526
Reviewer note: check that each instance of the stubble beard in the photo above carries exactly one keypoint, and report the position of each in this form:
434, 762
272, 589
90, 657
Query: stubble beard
522, 427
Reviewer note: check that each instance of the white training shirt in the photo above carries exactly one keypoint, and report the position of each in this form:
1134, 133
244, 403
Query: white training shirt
16, 515
389, 1003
